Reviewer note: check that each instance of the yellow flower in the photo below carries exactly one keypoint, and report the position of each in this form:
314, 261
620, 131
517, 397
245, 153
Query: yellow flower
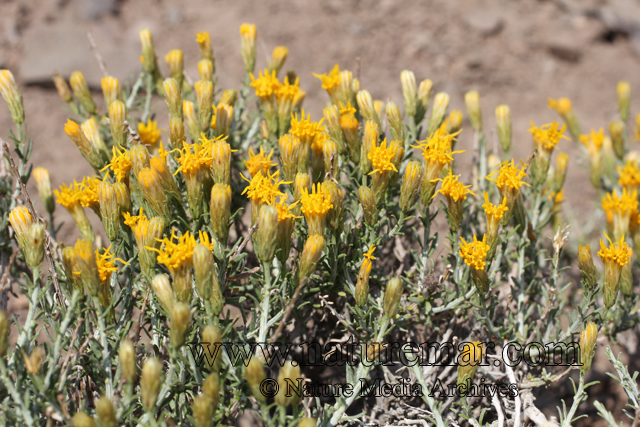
134, 221
193, 158
436, 151
287, 91
264, 188
618, 252
20, 219
89, 197
562, 105
106, 263
369, 254
546, 137
69, 197
284, 210
149, 133
620, 210
510, 178
453, 189
260, 162
266, 84
205, 239
629, 175
381, 157
305, 129
318, 142
494, 212
474, 253
593, 141
330, 81
174, 255
120, 164
315, 206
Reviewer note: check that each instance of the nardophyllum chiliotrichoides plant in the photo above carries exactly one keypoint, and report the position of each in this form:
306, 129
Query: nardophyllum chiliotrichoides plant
254, 224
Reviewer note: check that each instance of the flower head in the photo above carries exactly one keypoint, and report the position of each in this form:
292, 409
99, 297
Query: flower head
629, 175
437, 152
510, 177
287, 91
260, 162
593, 141
618, 252
194, 158
331, 80
120, 164
454, 189
174, 254
474, 253
546, 137
149, 133
89, 197
305, 129
494, 212
264, 189
562, 105
315, 206
266, 85
20, 219
69, 196
106, 263
369, 254
133, 221
284, 210
381, 158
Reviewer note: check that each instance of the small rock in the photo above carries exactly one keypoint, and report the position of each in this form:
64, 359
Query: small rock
565, 50
486, 23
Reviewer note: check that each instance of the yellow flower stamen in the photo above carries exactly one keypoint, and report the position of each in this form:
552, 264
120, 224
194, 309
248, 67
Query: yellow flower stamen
106, 263
120, 163
149, 133
494, 212
260, 162
453, 189
474, 253
546, 137
618, 252
381, 158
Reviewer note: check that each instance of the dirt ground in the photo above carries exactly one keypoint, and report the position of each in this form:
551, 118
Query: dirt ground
513, 52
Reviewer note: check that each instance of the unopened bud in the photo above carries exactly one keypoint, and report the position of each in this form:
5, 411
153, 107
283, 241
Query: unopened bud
164, 292
229, 97
150, 383
224, 118
409, 92
87, 267
335, 216
588, 339
91, 153
624, 99
204, 269
34, 361
106, 413
248, 46
503, 119
117, 117
211, 388
365, 105
472, 100
81, 91
369, 207
204, 40
378, 105
34, 247
469, 361
267, 233
440, 105
173, 97
254, 373
109, 209
148, 53
153, 192
362, 283
330, 156
395, 121
587, 268
179, 325
205, 70
345, 87
62, 87
332, 123
204, 99
139, 158
369, 139
616, 131
277, 59
80, 419
291, 373
202, 411
392, 297
43, 182
310, 256
425, 90
626, 279
220, 210
454, 122
110, 90
307, 422
562, 162
12, 96
192, 119
176, 64
289, 153
301, 182
127, 355
410, 185
211, 335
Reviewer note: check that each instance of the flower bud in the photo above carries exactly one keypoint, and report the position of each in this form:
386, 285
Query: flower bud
409, 92
289, 153
616, 131
106, 412
425, 90
173, 97
221, 162
211, 389
395, 121
440, 105
127, 355
392, 297
331, 116
149, 62
378, 104
301, 184
277, 59
265, 237
503, 119
117, 117
224, 118
468, 363
90, 152
454, 123
153, 192
624, 99
62, 87
369, 207
202, 411
588, 339
254, 374
220, 210
81, 91
164, 292
4, 334
614, 257
248, 46
362, 284
365, 105
110, 90
562, 162
229, 97
355, 86
291, 373
205, 70
204, 269
204, 99
87, 267
123, 196
330, 156
34, 247
34, 361
410, 185
176, 65
369, 140
211, 334
310, 256
472, 100
335, 216
41, 175
109, 209
71, 267
167, 180
587, 268
179, 325
626, 278
192, 119
91, 131
12, 96
80, 419
150, 383
204, 40
139, 158
345, 87
147, 234
307, 422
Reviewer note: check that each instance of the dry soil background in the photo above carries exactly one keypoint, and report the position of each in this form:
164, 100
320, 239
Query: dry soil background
513, 52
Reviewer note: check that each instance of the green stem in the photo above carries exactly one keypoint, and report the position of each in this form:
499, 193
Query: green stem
579, 397
106, 356
17, 398
264, 316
